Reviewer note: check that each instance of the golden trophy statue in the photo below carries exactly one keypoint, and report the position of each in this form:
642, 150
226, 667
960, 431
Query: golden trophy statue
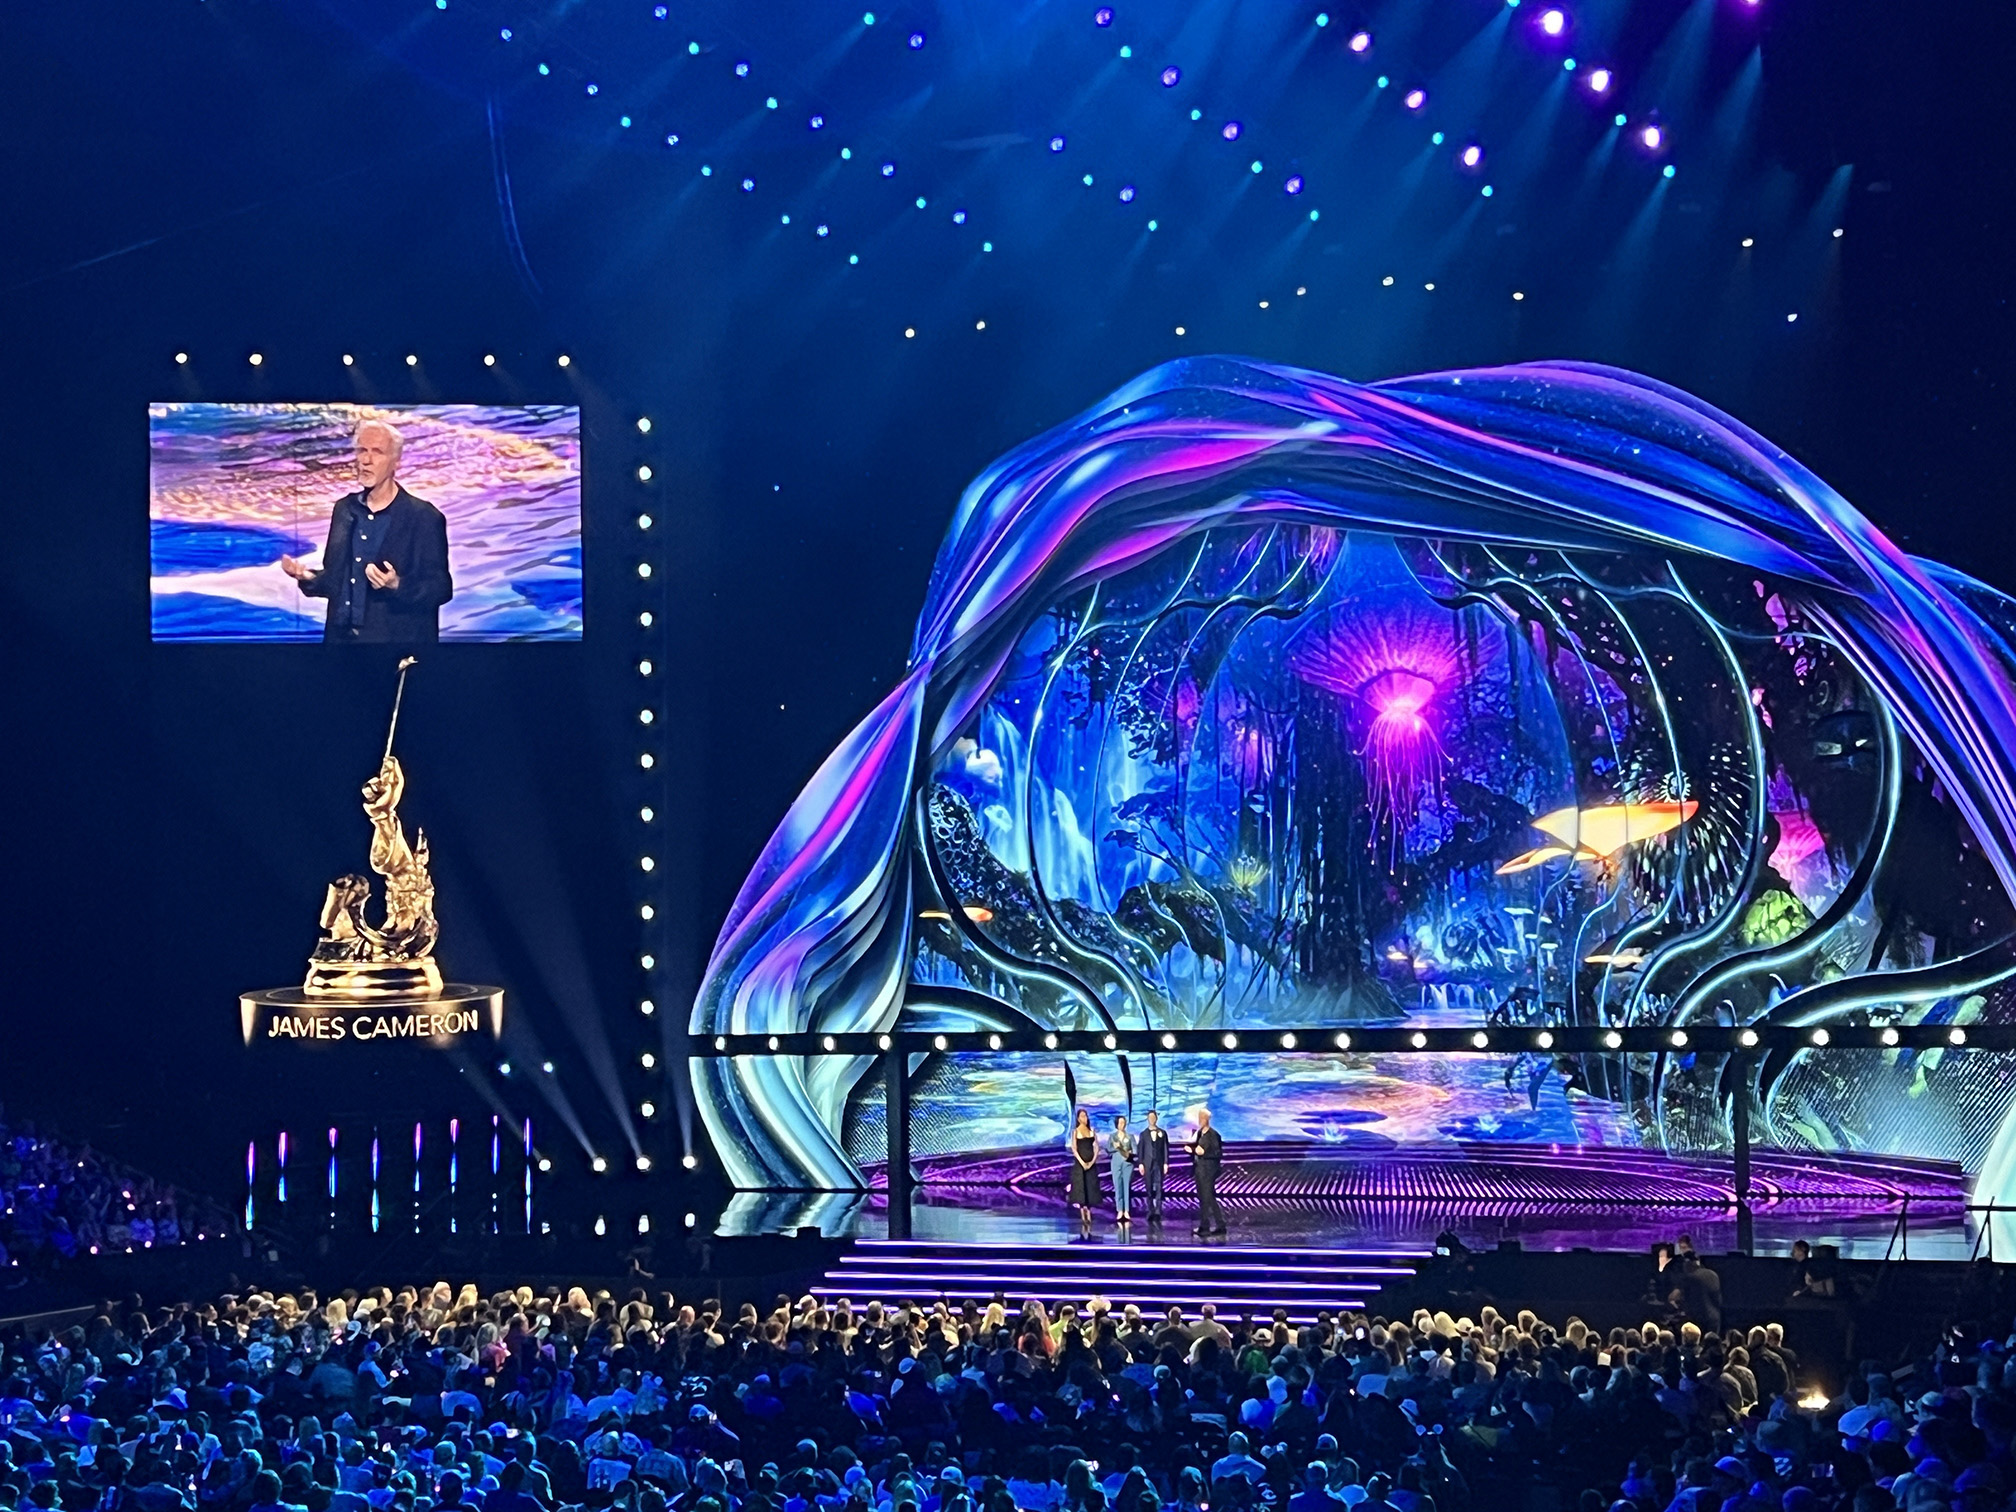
383, 967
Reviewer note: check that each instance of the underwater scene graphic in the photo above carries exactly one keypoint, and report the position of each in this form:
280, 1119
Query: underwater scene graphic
1532, 697
234, 487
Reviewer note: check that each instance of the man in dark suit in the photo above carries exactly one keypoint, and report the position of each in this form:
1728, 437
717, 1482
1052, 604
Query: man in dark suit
1154, 1163
385, 567
1207, 1152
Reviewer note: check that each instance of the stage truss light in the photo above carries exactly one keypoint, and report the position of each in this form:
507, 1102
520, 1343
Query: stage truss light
598, 1165
1544, 1039
1418, 1040
691, 1162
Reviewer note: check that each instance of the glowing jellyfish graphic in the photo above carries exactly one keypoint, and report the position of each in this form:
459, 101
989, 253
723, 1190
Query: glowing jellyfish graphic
1392, 669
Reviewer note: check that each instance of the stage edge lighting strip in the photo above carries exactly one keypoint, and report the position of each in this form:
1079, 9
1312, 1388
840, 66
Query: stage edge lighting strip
1476, 1039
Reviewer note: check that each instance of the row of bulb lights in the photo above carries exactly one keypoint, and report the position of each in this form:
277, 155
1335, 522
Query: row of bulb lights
1644, 1037
647, 760
258, 359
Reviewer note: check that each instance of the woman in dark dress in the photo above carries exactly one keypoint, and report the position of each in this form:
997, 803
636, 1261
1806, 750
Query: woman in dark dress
1084, 1169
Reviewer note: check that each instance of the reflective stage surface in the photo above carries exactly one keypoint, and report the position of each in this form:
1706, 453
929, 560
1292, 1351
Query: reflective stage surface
1307, 1196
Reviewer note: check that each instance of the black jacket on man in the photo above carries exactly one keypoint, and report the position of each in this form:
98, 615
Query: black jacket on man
410, 536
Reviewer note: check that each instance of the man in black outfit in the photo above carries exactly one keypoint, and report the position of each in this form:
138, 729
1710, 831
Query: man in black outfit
385, 568
1154, 1163
1207, 1150
1700, 1293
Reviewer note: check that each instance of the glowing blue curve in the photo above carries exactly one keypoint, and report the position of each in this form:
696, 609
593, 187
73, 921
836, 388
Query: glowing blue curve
1559, 455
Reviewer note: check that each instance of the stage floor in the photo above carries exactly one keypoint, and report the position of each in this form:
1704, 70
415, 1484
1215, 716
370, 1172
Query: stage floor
1547, 1198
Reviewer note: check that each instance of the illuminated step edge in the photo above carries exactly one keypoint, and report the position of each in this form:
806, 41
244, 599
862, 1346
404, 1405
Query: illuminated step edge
1117, 1266
1174, 1251
942, 1280
1227, 1306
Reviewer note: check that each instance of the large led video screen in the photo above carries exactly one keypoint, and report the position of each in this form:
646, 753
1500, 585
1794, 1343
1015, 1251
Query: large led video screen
1260, 702
400, 524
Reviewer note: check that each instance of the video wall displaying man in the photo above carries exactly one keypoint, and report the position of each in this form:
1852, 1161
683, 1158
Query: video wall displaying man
362, 524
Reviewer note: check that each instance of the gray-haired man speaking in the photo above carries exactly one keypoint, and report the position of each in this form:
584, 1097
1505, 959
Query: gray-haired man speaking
385, 568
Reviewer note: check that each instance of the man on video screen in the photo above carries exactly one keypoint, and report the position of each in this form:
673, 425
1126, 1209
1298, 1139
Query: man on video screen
385, 569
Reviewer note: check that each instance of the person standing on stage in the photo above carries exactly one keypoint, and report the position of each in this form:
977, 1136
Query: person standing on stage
1121, 1143
1207, 1151
1154, 1144
1084, 1170
385, 566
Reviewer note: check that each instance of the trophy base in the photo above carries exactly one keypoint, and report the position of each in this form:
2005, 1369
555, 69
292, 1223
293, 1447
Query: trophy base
372, 981
457, 1013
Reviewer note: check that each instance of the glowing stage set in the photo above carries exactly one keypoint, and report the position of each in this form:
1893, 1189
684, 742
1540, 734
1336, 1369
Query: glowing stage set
1514, 785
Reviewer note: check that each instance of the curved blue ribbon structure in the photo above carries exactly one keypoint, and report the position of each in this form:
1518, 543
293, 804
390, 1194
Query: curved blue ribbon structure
1559, 457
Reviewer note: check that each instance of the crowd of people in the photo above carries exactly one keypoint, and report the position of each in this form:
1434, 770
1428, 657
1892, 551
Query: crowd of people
434, 1400
60, 1200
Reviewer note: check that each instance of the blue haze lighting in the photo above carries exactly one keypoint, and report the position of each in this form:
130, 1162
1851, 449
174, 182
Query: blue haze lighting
693, 49
868, 18
1088, 181
622, 120
544, 70
853, 258
1438, 139
1152, 225
1382, 81
1621, 119
770, 103
1126, 51
1257, 165
1171, 77
846, 153
706, 170
1668, 171
1196, 115
1322, 18
920, 202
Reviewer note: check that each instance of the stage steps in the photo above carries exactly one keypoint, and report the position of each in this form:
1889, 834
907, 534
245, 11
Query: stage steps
1237, 1278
